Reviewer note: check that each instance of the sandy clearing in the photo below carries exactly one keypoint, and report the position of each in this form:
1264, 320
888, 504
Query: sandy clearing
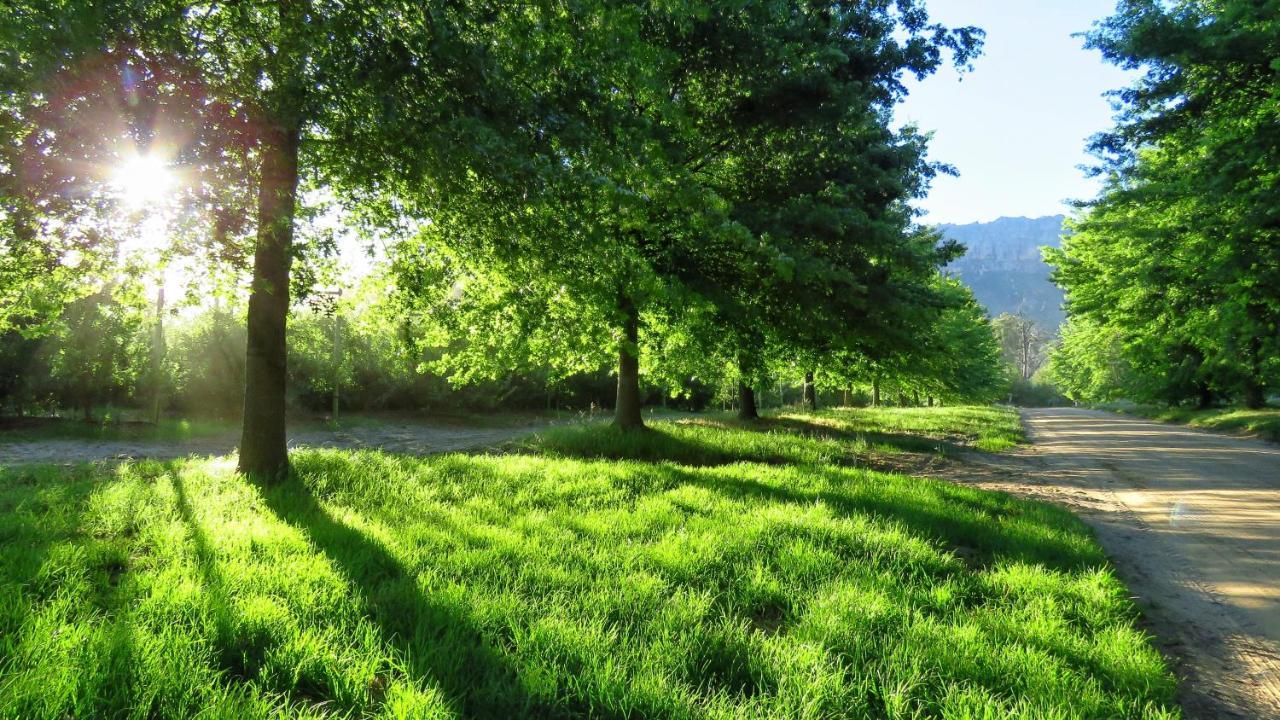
1191, 520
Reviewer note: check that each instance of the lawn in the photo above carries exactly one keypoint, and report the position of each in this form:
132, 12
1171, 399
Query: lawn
779, 583
1264, 423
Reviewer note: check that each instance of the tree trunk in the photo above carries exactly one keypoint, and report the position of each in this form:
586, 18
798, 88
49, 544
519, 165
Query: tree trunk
810, 392
747, 409
915, 398
747, 402
262, 442
627, 415
1206, 396
1255, 395
930, 401
875, 392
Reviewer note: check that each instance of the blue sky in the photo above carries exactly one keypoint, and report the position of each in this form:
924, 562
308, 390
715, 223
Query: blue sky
1017, 125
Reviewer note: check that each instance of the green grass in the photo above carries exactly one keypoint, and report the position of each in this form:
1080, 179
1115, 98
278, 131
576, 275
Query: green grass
1263, 423
522, 585
837, 436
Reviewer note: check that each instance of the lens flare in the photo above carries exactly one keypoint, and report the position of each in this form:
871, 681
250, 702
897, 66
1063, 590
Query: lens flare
142, 181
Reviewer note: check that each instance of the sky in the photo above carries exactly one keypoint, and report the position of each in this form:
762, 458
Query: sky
1016, 126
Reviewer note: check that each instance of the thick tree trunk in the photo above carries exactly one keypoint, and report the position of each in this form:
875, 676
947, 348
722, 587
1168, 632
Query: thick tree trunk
262, 442
1205, 401
747, 402
810, 392
1254, 396
875, 392
747, 409
627, 411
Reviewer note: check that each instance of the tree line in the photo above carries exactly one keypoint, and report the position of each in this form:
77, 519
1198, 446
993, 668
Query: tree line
676, 191
1173, 274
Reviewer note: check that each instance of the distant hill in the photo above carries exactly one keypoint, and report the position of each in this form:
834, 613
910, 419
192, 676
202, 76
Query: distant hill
1004, 268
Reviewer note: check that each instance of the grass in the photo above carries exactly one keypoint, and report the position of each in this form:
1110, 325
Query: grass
1263, 423
839, 436
547, 586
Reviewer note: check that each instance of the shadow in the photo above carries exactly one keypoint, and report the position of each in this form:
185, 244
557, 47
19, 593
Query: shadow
904, 442
973, 536
436, 633
682, 443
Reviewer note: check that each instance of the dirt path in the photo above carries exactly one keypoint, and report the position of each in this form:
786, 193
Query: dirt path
1192, 521
412, 438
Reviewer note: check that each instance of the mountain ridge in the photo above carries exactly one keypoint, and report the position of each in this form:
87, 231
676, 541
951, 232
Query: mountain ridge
1004, 267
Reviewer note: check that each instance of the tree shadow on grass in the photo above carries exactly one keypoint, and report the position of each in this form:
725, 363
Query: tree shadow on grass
976, 535
437, 634
903, 442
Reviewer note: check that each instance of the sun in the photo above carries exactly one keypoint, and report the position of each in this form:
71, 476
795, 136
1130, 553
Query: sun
142, 181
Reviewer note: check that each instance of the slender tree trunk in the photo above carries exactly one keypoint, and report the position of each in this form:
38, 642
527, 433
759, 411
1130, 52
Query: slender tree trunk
157, 358
845, 400
875, 392
627, 414
262, 442
915, 398
810, 392
930, 401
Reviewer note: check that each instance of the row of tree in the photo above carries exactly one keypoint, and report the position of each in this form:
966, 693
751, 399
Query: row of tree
682, 187
1173, 274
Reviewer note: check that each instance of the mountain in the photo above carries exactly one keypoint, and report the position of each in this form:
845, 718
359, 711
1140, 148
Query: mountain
1004, 268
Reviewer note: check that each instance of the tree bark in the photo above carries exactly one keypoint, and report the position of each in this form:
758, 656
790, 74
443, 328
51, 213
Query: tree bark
747, 409
747, 402
627, 412
1205, 400
262, 442
1255, 395
930, 401
810, 392
915, 398
875, 392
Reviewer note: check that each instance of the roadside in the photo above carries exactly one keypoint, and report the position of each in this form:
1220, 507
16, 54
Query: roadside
1192, 522
1263, 423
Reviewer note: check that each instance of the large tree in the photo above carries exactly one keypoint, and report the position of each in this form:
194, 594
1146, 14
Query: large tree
1177, 264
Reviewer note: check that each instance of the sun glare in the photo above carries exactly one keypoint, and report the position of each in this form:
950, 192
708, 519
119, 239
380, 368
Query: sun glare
142, 181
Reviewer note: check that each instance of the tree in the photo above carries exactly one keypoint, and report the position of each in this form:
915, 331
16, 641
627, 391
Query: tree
1177, 264
1023, 343
756, 177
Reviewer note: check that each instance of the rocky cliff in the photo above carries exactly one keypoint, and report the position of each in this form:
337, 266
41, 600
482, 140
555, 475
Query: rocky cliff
1004, 268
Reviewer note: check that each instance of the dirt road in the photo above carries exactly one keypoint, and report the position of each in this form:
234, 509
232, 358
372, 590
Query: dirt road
412, 438
1192, 521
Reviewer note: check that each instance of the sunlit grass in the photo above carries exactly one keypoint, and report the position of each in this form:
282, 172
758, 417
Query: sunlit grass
521, 585
1264, 423
829, 436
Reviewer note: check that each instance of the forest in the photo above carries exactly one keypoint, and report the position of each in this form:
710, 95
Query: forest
551, 211
1173, 273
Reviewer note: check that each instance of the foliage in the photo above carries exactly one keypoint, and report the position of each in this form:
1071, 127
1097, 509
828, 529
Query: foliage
522, 585
1175, 270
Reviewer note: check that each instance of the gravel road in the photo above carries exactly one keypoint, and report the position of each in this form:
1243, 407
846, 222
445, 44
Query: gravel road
1191, 520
